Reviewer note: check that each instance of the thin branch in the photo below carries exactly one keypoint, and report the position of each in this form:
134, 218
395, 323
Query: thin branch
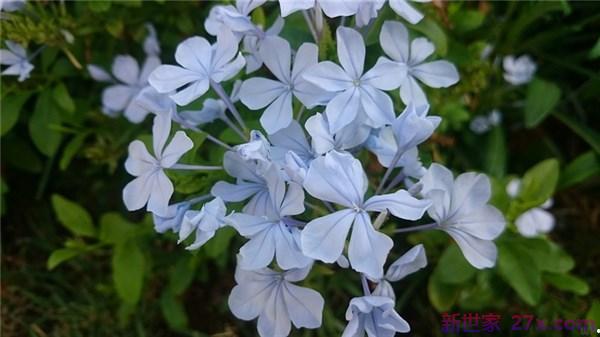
223, 95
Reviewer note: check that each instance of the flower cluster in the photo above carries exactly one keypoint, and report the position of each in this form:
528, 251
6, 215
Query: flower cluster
306, 196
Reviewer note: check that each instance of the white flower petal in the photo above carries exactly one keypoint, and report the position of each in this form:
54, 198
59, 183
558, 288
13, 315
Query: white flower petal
436, 74
351, 51
324, 238
368, 248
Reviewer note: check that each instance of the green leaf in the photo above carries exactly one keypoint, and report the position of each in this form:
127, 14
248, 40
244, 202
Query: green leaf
173, 311
568, 282
539, 182
114, 229
441, 295
542, 97
594, 312
435, 33
520, 272
583, 167
467, 20
547, 255
19, 153
11, 106
74, 217
45, 115
61, 255
590, 135
219, 245
63, 98
71, 150
453, 268
99, 6
595, 51
182, 275
128, 271
495, 154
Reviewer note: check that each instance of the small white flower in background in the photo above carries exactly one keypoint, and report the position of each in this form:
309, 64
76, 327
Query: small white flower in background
460, 208
355, 93
406, 11
482, 124
204, 223
15, 57
375, 316
151, 185
410, 262
120, 97
253, 42
200, 63
258, 92
234, 18
276, 301
151, 44
411, 56
339, 178
11, 5
535, 221
518, 70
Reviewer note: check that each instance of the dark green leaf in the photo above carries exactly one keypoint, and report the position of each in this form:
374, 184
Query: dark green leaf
453, 268
44, 117
61, 255
590, 135
114, 229
495, 154
128, 271
182, 275
70, 150
11, 107
542, 97
520, 272
539, 182
441, 295
467, 20
63, 98
99, 5
74, 217
583, 167
568, 282
173, 311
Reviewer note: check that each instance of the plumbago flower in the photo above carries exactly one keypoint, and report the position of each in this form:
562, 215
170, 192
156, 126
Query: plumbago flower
15, 57
201, 66
275, 300
411, 56
406, 11
339, 178
460, 209
410, 262
518, 70
356, 93
317, 153
276, 234
535, 221
258, 92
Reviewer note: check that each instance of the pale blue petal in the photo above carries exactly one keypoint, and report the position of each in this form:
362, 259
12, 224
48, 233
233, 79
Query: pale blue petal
480, 253
377, 105
235, 192
343, 108
420, 49
394, 40
257, 92
161, 192
351, 51
126, 69
287, 247
401, 204
328, 76
385, 75
276, 54
436, 74
324, 238
279, 114
407, 264
304, 306
368, 248
402, 8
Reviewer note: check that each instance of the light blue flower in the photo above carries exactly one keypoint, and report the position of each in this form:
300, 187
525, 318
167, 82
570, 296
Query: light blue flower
339, 178
204, 223
323, 140
200, 63
460, 208
276, 95
366, 11
410, 262
276, 301
518, 70
356, 93
249, 184
375, 316
172, 218
151, 44
253, 42
406, 11
411, 57
15, 57
275, 235
151, 185
120, 97
535, 221
11, 5
234, 18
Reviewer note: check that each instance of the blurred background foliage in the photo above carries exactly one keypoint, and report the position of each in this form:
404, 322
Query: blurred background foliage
75, 263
